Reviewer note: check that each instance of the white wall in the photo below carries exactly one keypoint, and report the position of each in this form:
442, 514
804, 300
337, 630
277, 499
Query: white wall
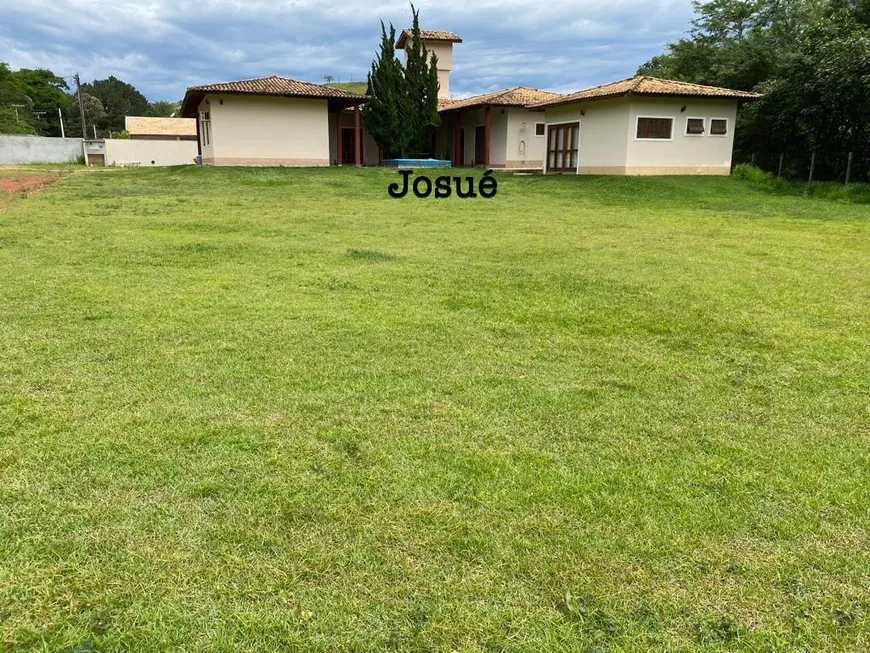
608, 143
150, 152
683, 154
444, 51
603, 134
251, 130
523, 149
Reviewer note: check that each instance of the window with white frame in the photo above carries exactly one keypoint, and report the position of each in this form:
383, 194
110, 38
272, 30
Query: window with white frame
654, 128
718, 126
694, 126
205, 127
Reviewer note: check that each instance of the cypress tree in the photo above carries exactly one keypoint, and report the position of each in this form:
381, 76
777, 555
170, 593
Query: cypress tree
402, 112
381, 114
421, 90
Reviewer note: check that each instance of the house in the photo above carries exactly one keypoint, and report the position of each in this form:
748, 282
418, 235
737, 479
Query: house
160, 129
495, 130
274, 121
642, 126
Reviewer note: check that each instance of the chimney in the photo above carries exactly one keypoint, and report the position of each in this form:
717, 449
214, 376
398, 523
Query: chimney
441, 45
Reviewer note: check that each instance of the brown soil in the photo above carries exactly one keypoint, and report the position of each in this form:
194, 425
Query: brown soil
23, 183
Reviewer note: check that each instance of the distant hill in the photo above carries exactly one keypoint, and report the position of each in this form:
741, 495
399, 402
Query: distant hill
353, 87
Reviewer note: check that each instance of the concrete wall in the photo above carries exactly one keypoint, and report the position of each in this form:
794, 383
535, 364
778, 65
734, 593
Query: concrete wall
608, 143
150, 152
39, 149
267, 131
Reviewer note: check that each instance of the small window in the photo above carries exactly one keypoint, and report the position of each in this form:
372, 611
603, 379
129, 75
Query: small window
719, 127
694, 126
655, 128
540, 129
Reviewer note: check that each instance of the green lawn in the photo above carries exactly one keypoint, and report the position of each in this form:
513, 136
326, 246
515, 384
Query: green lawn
269, 410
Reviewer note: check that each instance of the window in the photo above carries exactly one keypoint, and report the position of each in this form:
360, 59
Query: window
694, 126
205, 127
562, 147
654, 128
540, 129
718, 126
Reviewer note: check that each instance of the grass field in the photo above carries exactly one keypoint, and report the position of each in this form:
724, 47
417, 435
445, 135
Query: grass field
263, 410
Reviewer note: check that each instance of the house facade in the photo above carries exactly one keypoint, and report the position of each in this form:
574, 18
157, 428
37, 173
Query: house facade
495, 130
636, 126
642, 126
273, 121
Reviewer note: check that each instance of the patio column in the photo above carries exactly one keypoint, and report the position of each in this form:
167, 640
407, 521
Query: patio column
457, 139
338, 152
487, 125
357, 135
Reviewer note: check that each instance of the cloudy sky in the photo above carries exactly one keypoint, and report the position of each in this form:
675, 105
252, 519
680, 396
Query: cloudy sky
163, 46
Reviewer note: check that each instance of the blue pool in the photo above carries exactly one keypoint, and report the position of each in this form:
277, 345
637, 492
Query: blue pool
417, 163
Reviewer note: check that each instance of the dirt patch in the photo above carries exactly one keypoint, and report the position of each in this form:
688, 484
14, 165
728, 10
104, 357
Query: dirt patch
23, 183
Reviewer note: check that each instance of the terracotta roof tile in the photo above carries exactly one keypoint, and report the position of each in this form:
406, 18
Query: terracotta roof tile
276, 85
142, 126
519, 96
427, 35
642, 85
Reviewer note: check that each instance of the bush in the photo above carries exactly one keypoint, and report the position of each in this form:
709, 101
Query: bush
747, 172
828, 190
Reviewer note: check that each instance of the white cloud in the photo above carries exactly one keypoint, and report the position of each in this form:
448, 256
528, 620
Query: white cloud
163, 46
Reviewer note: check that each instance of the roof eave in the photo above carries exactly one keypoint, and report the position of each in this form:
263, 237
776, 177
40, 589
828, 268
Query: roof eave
199, 94
610, 96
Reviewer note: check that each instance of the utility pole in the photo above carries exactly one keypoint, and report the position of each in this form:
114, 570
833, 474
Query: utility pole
82, 111
81, 104
60, 115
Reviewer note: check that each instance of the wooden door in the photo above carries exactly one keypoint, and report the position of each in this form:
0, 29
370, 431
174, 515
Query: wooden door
462, 146
348, 147
479, 145
563, 144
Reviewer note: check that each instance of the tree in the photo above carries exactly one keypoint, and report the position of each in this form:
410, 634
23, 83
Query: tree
119, 99
46, 93
95, 114
402, 112
821, 101
163, 109
381, 114
806, 56
421, 90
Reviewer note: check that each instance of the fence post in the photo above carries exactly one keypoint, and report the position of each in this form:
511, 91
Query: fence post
849, 168
752, 160
812, 166
779, 171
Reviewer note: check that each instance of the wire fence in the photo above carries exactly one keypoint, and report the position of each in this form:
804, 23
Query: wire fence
844, 167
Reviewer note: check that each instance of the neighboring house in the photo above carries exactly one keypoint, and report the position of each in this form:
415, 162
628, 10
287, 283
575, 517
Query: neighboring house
495, 130
160, 129
643, 126
273, 121
640, 125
